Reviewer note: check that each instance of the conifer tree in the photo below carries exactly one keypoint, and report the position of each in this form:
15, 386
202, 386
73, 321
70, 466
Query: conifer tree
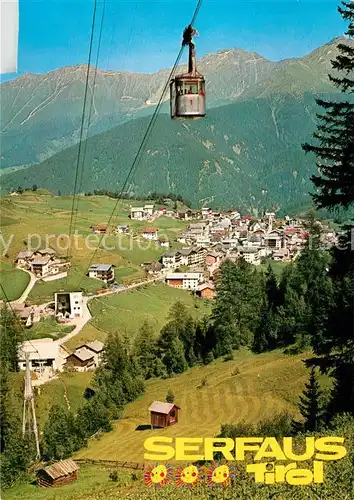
146, 352
10, 336
310, 405
335, 133
335, 190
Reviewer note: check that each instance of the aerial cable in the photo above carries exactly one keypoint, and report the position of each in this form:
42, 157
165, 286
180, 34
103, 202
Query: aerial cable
82, 122
141, 150
144, 141
89, 116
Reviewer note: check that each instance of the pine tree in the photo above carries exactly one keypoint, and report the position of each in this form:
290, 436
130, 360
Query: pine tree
335, 132
146, 353
335, 185
310, 405
10, 337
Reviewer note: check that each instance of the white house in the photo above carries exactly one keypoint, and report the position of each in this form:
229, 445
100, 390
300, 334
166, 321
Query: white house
149, 210
187, 281
149, 233
45, 356
104, 272
137, 213
171, 260
250, 254
68, 304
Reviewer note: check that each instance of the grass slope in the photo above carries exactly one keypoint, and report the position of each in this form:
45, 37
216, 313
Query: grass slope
125, 312
13, 280
267, 384
42, 219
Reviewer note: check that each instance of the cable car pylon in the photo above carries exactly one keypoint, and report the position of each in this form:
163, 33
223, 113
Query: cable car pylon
187, 90
28, 408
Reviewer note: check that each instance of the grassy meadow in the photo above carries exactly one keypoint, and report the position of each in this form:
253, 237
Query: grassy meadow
40, 219
13, 280
267, 384
125, 312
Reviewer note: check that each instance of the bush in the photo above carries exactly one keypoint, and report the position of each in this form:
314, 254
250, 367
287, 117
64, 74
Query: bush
235, 371
113, 476
209, 358
229, 356
170, 397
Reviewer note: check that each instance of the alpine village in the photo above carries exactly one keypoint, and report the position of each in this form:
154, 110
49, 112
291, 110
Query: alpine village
177, 269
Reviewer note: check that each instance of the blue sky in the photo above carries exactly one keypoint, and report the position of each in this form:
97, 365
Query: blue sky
144, 36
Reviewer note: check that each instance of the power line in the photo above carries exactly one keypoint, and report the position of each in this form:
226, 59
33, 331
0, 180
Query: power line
144, 141
82, 119
90, 114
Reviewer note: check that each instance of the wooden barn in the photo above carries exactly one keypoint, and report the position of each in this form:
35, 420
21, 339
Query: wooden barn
163, 414
57, 474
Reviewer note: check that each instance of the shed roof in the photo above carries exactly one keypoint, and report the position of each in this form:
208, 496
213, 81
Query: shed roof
40, 261
181, 276
60, 469
160, 407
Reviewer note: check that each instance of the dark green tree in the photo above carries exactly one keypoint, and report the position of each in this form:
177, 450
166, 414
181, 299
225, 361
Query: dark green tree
93, 416
237, 307
171, 349
117, 381
60, 435
335, 132
311, 405
10, 336
145, 351
335, 190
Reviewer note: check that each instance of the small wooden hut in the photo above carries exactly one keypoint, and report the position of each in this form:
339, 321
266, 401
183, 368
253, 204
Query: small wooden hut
163, 414
57, 474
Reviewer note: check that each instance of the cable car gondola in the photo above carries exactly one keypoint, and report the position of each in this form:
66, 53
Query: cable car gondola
187, 90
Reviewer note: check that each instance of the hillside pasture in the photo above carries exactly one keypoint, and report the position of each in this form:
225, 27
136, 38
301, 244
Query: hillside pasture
267, 384
14, 281
125, 312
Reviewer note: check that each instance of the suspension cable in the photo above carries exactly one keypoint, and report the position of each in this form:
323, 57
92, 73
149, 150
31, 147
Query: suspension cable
143, 143
82, 123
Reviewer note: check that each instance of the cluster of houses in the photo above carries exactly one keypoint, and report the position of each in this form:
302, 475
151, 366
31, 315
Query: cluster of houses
46, 356
230, 235
42, 263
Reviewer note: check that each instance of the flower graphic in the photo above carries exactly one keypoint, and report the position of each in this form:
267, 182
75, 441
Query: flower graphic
158, 475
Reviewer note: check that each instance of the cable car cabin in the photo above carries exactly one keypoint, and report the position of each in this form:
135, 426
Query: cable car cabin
188, 97
187, 91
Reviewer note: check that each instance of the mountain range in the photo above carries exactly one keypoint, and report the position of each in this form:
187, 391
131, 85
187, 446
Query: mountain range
246, 151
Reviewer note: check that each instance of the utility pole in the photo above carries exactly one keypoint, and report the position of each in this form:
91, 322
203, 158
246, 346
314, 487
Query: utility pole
29, 408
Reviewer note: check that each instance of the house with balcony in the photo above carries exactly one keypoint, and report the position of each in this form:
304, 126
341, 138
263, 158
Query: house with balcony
186, 281
42, 263
103, 272
171, 260
137, 213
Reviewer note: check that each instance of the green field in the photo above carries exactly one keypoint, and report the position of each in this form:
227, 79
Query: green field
266, 385
48, 327
125, 312
90, 479
14, 281
42, 219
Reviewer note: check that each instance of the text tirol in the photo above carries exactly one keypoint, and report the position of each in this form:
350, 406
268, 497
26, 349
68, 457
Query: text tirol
195, 448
